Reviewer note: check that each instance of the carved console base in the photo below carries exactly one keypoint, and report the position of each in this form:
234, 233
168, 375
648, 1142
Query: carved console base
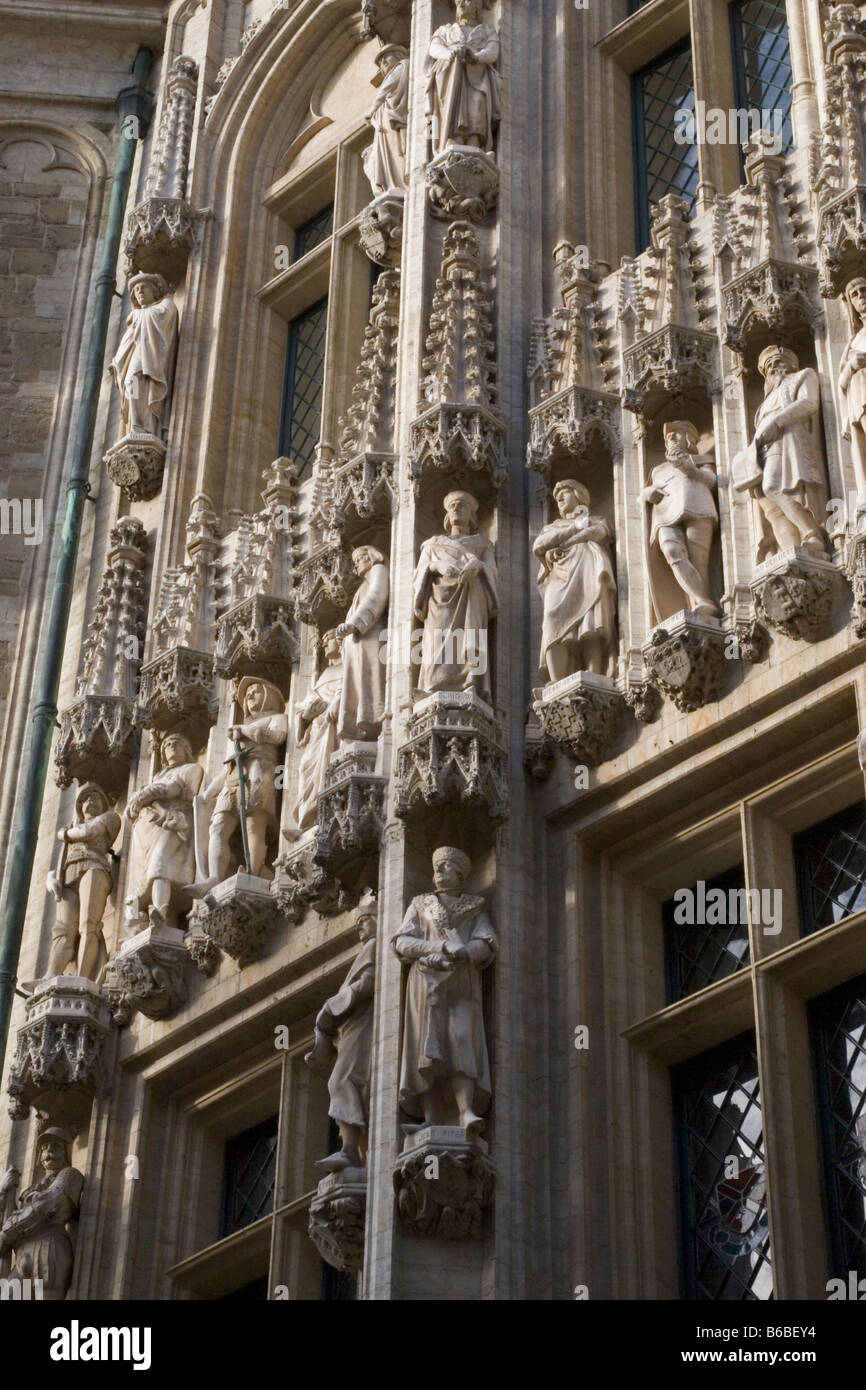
582, 714
351, 811
301, 883
685, 660
237, 916
463, 182
454, 752
337, 1215
793, 592
59, 1058
443, 1183
147, 975
135, 464
380, 229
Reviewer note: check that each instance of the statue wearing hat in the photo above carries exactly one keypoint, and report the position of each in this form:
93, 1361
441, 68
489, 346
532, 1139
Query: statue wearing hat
578, 587
143, 364
447, 941
163, 838
782, 468
684, 519
81, 884
852, 384
385, 159
344, 1044
246, 793
463, 86
36, 1227
455, 595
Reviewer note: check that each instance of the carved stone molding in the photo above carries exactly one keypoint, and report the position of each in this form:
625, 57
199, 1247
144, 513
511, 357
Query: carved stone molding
177, 691
337, 1215
841, 238
237, 916
135, 464
462, 182
443, 1184
159, 237
571, 422
668, 363
583, 715
351, 812
752, 641
538, 749
203, 952
380, 229
794, 592
147, 976
453, 753
837, 157
685, 660
457, 438
326, 584
59, 1058
855, 570
257, 637
644, 700
97, 741
365, 484
773, 295
301, 883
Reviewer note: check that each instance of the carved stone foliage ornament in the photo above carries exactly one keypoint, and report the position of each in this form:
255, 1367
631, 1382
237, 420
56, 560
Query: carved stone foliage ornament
463, 183
443, 1185
855, 569
686, 661
773, 295
301, 883
147, 976
837, 166
351, 810
326, 583
237, 916
582, 715
572, 422
794, 593
337, 1217
453, 753
667, 364
59, 1058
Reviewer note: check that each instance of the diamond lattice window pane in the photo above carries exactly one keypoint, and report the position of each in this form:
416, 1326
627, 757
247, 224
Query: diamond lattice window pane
249, 1176
839, 1031
700, 952
831, 866
762, 60
312, 233
726, 1249
305, 373
664, 166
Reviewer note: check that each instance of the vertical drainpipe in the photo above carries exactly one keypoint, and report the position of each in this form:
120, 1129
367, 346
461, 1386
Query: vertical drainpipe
131, 101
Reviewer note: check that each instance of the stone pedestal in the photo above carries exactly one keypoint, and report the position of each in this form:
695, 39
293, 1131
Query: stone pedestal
463, 182
443, 1182
337, 1216
793, 592
380, 229
453, 752
135, 464
582, 714
59, 1059
147, 975
685, 659
237, 916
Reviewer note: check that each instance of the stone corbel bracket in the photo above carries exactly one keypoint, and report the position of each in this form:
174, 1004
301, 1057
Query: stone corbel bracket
97, 742
337, 1216
60, 1054
668, 363
135, 464
351, 813
582, 715
257, 637
571, 422
443, 1184
453, 753
462, 182
685, 661
794, 593
458, 439
326, 584
774, 295
237, 916
301, 883
380, 228
148, 976
177, 691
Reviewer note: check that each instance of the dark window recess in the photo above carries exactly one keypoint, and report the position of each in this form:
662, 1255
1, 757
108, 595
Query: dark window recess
831, 869
720, 1155
254, 1292
302, 398
698, 953
762, 63
838, 1024
248, 1176
661, 164
313, 232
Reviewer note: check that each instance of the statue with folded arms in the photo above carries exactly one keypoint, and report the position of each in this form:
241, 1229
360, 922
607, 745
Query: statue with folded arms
36, 1225
143, 365
463, 86
577, 586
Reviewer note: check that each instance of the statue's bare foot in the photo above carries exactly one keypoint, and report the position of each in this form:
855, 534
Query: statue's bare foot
202, 888
472, 1123
336, 1162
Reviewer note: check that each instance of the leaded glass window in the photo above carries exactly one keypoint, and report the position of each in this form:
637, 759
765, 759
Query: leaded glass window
313, 232
762, 62
831, 868
706, 933
662, 94
305, 372
722, 1183
839, 1034
249, 1176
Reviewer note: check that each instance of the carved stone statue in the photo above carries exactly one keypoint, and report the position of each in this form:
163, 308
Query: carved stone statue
163, 835
362, 703
577, 586
446, 940
343, 1048
852, 384
143, 364
782, 468
684, 518
248, 786
385, 160
81, 884
316, 732
455, 595
36, 1228
463, 85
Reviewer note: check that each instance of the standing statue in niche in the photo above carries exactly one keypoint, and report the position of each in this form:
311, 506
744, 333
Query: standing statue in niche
385, 159
446, 940
463, 85
81, 884
852, 384
163, 836
684, 519
362, 702
344, 1045
782, 467
36, 1227
247, 789
456, 596
143, 364
317, 733
578, 588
